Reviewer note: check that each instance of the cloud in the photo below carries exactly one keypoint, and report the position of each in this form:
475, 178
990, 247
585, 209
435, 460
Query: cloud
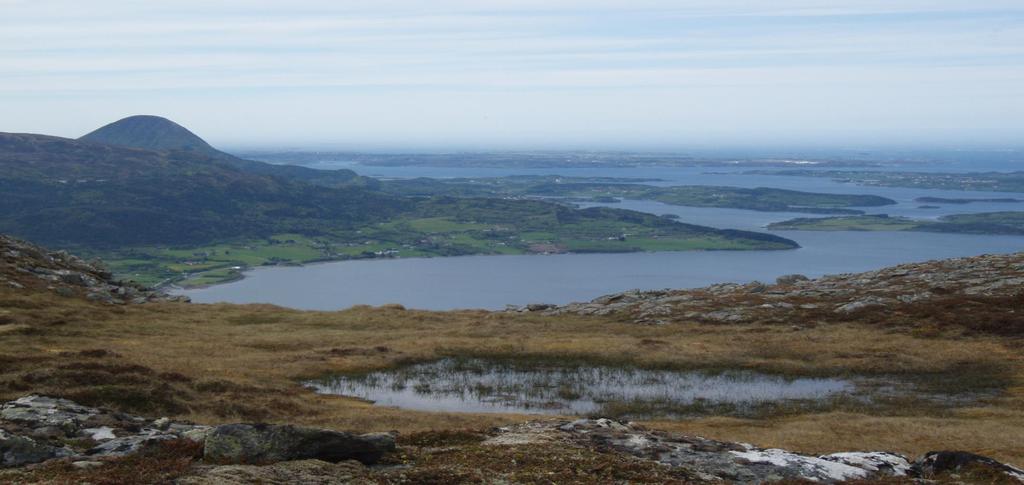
703, 54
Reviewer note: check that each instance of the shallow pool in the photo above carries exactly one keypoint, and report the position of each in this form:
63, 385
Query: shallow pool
479, 385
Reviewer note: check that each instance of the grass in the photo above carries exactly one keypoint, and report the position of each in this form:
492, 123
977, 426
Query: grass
411, 237
851, 223
229, 363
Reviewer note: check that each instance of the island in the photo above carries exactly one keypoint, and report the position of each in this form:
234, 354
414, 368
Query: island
1001, 223
944, 200
603, 190
981, 181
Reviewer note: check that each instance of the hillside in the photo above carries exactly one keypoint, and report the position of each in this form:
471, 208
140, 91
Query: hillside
25, 266
110, 198
104, 392
71, 193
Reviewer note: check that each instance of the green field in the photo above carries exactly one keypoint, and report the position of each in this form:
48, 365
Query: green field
601, 230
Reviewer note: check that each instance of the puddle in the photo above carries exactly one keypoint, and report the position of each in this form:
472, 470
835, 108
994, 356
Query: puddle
477, 385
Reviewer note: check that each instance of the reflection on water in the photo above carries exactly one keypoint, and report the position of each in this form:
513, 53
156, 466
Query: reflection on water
476, 385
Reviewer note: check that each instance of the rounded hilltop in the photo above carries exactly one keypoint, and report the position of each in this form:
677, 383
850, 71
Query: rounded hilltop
151, 133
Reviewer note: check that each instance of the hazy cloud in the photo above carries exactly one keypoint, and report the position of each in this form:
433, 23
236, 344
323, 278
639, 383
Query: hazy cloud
522, 73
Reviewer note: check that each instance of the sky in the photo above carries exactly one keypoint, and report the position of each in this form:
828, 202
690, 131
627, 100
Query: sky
531, 74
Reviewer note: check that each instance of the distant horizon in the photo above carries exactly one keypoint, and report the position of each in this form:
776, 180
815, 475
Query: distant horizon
728, 150
644, 75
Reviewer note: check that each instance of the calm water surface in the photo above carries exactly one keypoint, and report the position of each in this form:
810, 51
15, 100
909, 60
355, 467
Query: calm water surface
475, 385
492, 282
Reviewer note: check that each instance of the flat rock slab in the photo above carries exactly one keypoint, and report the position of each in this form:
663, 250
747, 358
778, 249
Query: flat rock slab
718, 461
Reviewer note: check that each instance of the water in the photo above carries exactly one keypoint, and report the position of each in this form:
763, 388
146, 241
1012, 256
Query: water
475, 385
491, 282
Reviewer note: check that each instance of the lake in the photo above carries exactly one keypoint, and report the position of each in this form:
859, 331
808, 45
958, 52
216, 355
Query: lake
492, 282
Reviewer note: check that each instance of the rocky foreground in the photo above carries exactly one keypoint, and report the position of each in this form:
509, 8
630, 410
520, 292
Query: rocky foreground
58, 434
796, 298
24, 265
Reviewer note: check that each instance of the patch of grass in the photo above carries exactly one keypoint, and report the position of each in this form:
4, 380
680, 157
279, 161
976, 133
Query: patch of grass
537, 463
447, 437
206, 365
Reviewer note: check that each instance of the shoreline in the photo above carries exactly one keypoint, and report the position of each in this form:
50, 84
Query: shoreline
241, 274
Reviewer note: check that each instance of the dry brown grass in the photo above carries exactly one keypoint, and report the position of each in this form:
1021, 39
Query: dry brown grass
222, 363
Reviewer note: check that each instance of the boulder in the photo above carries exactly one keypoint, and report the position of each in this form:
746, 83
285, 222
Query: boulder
936, 463
264, 443
19, 450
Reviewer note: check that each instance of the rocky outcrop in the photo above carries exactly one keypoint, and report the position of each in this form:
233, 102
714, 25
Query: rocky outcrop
715, 461
799, 299
936, 463
262, 443
35, 429
26, 266
22, 450
38, 428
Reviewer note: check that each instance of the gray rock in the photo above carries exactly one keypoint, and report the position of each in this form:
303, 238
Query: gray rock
19, 450
127, 445
711, 460
790, 279
87, 464
940, 462
102, 433
263, 443
915, 297
862, 304
728, 315
877, 462
162, 424
42, 411
197, 434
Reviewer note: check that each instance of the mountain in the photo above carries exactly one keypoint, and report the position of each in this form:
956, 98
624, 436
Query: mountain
156, 183
60, 191
151, 133
163, 135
